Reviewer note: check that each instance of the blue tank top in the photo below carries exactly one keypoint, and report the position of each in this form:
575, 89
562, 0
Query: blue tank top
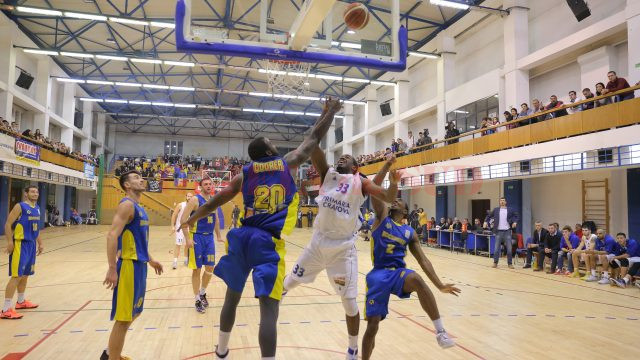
133, 243
389, 245
26, 228
205, 225
270, 196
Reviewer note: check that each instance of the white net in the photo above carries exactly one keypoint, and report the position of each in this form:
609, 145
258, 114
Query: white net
287, 77
219, 177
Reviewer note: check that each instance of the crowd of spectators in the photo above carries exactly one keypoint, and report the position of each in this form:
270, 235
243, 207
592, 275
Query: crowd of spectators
37, 138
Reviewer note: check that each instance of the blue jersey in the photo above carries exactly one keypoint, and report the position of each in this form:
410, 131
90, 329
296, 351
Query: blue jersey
133, 243
26, 228
632, 248
608, 244
205, 225
389, 245
270, 196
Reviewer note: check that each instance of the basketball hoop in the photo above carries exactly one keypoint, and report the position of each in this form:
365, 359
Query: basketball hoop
287, 76
217, 183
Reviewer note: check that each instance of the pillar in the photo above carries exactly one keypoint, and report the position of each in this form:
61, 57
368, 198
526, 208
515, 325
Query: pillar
442, 203
513, 195
525, 216
6, 105
370, 117
101, 133
68, 194
43, 189
633, 40
347, 129
4, 201
516, 46
68, 111
87, 125
401, 104
594, 66
445, 80
451, 201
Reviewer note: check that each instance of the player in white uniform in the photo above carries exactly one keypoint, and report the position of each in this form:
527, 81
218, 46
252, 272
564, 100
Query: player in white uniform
180, 240
332, 247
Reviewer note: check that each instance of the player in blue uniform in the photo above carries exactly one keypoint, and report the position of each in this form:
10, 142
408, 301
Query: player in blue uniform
201, 245
127, 256
390, 275
270, 207
22, 233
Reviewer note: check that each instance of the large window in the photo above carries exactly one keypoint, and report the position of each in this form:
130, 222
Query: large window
469, 117
173, 147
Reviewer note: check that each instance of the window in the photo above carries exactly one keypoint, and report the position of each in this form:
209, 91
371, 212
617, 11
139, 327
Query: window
605, 156
635, 154
568, 162
500, 170
173, 147
469, 117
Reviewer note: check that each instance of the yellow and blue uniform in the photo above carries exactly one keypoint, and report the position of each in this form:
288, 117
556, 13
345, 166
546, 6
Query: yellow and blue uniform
270, 206
26, 229
133, 247
204, 248
389, 248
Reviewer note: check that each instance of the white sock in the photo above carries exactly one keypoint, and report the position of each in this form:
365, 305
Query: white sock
20, 297
7, 304
198, 297
223, 342
438, 325
175, 259
353, 342
203, 291
605, 274
593, 272
626, 279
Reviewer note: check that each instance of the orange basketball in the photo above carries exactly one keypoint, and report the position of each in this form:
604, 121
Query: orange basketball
356, 16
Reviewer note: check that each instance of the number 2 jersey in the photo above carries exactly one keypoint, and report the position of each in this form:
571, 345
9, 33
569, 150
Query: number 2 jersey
270, 196
389, 246
339, 202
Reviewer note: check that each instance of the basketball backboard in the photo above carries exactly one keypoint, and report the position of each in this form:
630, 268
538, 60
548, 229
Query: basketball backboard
282, 30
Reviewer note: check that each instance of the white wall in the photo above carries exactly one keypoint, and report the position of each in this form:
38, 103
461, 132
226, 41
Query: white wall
622, 55
84, 198
425, 197
358, 148
358, 119
556, 82
423, 86
479, 50
419, 124
383, 139
477, 190
29, 65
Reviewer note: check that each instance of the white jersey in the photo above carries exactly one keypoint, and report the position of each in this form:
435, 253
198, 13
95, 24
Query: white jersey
588, 240
182, 206
339, 202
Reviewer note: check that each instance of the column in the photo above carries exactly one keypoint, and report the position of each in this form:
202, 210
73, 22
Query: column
525, 216
42, 83
370, 116
633, 41
513, 195
516, 46
68, 194
68, 111
445, 81
101, 133
4, 200
347, 129
442, 194
451, 201
594, 64
43, 189
400, 105
6, 105
87, 125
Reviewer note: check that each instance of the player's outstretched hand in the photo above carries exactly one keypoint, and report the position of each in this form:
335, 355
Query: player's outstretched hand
450, 289
391, 159
332, 105
394, 176
111, 279
156, 266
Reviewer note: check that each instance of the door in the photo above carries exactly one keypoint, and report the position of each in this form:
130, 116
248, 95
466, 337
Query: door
479, 209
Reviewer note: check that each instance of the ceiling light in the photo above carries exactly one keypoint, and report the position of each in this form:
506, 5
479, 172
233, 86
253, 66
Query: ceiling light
70, 80
154, 86
85, 16
40, 52
298, 74
460, 112
185, 105
109, 57
329, 77
127, 21
163, 24
274, 111
312, 114
128, 84
90, 100
355, 102
179, 63
182, 88
260, 94
423, 55
252, 110
364, 81
146, 61
30, 10
309, 98
284, 96
135, 102
230, 108
350, 45
236, 92
294, 113
79, 55
99, 82
111, 40
161, 104
451, 4
116, 101
378, 82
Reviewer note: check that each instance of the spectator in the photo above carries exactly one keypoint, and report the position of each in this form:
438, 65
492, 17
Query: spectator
422, 221
477, 225
411, 142
555, 103
537, 243
235, 216
578, 231
573, 99
456, 225
452, 132
568, 243
426, 140
299, 218
600, 91
538, 107
606, 249
443, 224
630, 258
309, 218
615, 84
524, 110
75, 217
414, 216
586, 92
550, 249
402, 146
394, 146
505, 219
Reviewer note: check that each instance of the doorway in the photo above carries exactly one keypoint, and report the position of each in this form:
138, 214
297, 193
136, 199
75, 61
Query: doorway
479, 209
17, 191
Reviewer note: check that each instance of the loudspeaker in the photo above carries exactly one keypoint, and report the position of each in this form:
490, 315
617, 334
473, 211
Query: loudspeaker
385, 109
24, 80
580, 9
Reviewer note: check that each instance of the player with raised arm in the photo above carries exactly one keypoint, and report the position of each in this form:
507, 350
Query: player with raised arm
127, 256
176, 219
201, 244
270, 206
332, 246
390, 275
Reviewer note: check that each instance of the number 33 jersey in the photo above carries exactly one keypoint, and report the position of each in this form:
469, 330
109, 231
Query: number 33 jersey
270, 196
339, 202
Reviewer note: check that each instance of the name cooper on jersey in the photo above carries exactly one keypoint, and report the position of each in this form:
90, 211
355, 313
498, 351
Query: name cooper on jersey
336, 205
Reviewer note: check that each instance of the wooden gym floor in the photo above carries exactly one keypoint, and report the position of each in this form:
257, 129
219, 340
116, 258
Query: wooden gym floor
501, 313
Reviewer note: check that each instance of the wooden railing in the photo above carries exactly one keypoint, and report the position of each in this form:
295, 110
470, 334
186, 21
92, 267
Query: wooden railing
582, 122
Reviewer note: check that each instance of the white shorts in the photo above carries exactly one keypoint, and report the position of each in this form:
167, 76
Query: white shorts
338, 257
633, 260
180, 237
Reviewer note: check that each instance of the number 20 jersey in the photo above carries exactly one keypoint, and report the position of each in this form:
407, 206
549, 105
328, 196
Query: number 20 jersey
270, 196
339, 202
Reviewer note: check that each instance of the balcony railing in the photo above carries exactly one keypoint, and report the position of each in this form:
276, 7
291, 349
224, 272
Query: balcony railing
474, 142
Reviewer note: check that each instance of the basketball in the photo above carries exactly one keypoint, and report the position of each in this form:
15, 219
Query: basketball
356, 16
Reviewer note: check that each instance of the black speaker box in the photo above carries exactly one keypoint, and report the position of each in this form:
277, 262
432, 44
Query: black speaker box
24, 80
580, 9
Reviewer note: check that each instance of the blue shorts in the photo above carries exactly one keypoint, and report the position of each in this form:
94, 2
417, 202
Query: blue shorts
252, 249
22, 260
203, 251
128, 296
380, 284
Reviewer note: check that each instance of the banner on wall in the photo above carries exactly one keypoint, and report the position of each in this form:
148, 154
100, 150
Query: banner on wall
89, 171
154, 186
27, 151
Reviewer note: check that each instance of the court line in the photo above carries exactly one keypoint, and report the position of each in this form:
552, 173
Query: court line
18, 356
63, 247
279, 347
